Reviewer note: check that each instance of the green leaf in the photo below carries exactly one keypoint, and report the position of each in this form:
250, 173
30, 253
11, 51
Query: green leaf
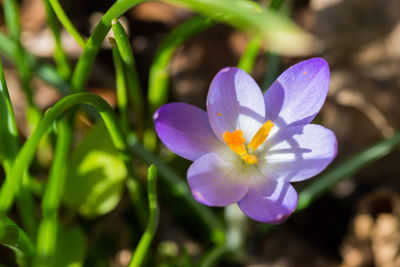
96, 175
280, 33
159, 76
8, 128
12, 236
71, 248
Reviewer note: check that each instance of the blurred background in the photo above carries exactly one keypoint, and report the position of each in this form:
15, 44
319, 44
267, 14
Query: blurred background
354, 224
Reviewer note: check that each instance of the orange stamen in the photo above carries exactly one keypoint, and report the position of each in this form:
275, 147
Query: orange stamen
236, 141
260, 136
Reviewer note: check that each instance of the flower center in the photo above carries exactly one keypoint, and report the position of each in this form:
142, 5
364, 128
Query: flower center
235, 141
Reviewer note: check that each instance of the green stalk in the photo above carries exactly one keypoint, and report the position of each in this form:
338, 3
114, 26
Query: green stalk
26, 154
159, 73
249, 56
45, 71
9, 150
26, 207
125, 50
47, 236
11, 15
275, 4
85, 63
273, 59
132, 184
67, 23
25, 74
60, 57
154, 215
122, 100
8, 126
159, 76
213, 255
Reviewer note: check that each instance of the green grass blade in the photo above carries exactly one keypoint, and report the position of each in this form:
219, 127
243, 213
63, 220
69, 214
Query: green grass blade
280, 33
249, 56
12, 236
8, 127
47, 235
154, 215
159, 76
60, 56
122, 42
45, 71
122, 99
8, 152
273, 59
212, 256
11, 15
125, 50
86, 60
67, 23
275, 4
27, 152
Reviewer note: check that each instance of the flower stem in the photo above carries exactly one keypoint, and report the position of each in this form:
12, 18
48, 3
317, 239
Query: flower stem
45, 71
47, 235
82, 69
273, 59
159, 76
211, 258
135, 90
11, 15
276, 4
154, 214
63, 66
249, 56
25, 156
122, 100
67, 23
8, 125
9, 150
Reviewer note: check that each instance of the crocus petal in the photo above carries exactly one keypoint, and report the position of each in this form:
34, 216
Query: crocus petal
214, 181
185, 130
298, 93
268, 201
298, 153
234, 102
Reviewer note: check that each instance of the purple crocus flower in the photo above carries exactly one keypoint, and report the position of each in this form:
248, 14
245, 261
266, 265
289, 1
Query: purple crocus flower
247, 147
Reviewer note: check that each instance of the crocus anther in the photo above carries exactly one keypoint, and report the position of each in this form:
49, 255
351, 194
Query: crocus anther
236, 141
